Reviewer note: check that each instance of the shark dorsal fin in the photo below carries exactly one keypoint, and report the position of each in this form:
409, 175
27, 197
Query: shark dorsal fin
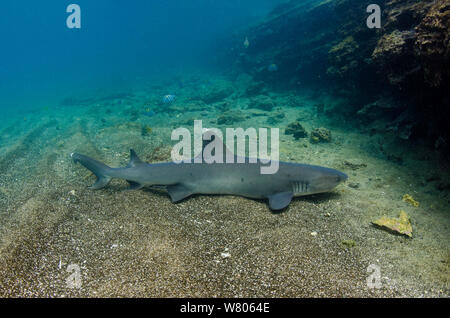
134, 159
214, 139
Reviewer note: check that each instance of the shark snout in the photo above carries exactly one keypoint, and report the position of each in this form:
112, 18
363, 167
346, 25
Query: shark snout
342, 177
326, 179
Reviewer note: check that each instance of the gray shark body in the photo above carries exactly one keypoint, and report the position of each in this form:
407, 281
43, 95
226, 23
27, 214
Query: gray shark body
242, 179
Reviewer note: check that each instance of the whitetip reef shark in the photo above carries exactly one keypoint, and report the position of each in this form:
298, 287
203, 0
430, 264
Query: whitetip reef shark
242, 179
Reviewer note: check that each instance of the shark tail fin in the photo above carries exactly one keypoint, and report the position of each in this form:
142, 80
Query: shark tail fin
100, 170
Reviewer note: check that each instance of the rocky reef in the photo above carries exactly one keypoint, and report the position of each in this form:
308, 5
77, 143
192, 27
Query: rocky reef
327, 45
433, 44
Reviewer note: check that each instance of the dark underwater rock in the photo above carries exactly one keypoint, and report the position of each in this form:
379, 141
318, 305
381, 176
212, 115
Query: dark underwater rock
262, 102
231, 117
255, 88
276, 117
443, 186
354, 185
394, 55
387, 115
223, 106
381, 108
320, 108
342, 57
433, 44
320, 135
297, 130
354, 165
216, 92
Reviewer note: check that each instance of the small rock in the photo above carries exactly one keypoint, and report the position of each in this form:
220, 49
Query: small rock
296, 129
225, 255
230, 117
276, 118
349, 243
320, 135
354, 185
354, 165
262, 102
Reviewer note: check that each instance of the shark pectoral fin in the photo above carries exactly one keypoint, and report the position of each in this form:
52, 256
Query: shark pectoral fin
134, 185
280, 200
178, 192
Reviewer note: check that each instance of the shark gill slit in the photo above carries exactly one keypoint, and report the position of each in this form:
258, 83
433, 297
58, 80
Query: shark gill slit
299, 187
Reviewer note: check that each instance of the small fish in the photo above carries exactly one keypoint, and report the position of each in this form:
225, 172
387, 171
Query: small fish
168, 99
246, 42
272, 68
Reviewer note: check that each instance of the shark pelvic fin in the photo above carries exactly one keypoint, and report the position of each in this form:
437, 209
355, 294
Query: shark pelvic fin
280, 200
134, 159
178, 192
134, 185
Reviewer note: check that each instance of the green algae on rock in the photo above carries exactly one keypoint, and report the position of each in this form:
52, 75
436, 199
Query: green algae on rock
400, 225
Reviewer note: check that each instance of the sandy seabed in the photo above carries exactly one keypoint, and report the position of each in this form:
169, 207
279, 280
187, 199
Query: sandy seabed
139, 244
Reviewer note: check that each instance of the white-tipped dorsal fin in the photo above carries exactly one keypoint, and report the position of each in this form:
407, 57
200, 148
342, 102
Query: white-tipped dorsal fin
134, 159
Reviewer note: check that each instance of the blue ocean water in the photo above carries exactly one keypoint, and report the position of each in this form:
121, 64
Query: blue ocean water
119, 42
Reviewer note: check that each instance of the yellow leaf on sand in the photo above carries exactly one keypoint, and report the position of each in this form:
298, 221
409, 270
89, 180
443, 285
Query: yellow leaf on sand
400, 225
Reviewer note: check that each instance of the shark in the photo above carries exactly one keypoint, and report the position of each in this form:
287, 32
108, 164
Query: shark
239, 178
